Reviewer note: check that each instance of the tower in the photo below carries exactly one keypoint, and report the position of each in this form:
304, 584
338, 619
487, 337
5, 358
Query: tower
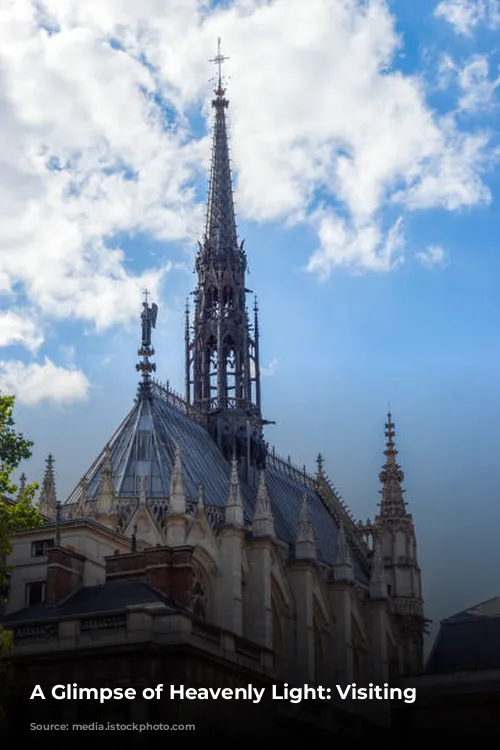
396, 539
222, 348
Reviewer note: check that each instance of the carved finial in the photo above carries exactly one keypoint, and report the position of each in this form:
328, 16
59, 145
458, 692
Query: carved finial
343, 569
106, 492
263, 520
319, 464
234, 508
80, 509
177, 502
305, 545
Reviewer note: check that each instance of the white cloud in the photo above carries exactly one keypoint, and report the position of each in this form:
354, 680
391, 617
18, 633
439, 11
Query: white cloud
466, 15
34, 383
473, 79
432, 257
269, 370
363, 247
478, 89
20, 330
87, 153
451, 180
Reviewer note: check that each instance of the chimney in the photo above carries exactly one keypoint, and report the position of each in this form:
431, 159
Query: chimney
64, 573
166, 569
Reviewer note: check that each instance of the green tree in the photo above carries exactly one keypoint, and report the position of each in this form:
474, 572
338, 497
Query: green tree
18, 516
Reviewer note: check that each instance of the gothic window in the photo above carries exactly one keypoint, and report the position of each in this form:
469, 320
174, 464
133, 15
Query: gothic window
211, 365
230, 357
228, 299
199, 600
212, 300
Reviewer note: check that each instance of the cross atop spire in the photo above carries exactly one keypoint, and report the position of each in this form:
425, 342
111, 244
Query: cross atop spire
219, 60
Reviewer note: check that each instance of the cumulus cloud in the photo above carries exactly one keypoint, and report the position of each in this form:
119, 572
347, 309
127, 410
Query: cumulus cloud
362, 248
432, 257
35, 383
466, 15
96, 142
20, 329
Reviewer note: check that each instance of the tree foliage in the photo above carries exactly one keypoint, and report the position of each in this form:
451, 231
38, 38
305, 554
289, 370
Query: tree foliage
20, 515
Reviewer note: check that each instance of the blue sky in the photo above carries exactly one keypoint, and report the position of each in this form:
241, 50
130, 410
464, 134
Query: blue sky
365, 151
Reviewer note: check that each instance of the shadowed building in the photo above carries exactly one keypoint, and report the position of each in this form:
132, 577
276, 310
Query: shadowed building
187, 530
459, 691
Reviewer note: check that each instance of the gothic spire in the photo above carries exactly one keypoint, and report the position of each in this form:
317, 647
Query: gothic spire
222, 346
47, 505
22, 485
146, 351
391, 477
220, 230
320, 471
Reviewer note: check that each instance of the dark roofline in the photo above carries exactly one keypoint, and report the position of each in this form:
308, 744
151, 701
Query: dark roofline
75, 522
50, 612
465, 614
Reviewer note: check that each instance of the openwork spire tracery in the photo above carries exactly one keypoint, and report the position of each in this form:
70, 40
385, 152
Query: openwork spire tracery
222, 348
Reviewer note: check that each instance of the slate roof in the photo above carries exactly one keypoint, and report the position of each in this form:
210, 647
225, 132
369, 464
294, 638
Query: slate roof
144, 445
468, 641
111, 597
